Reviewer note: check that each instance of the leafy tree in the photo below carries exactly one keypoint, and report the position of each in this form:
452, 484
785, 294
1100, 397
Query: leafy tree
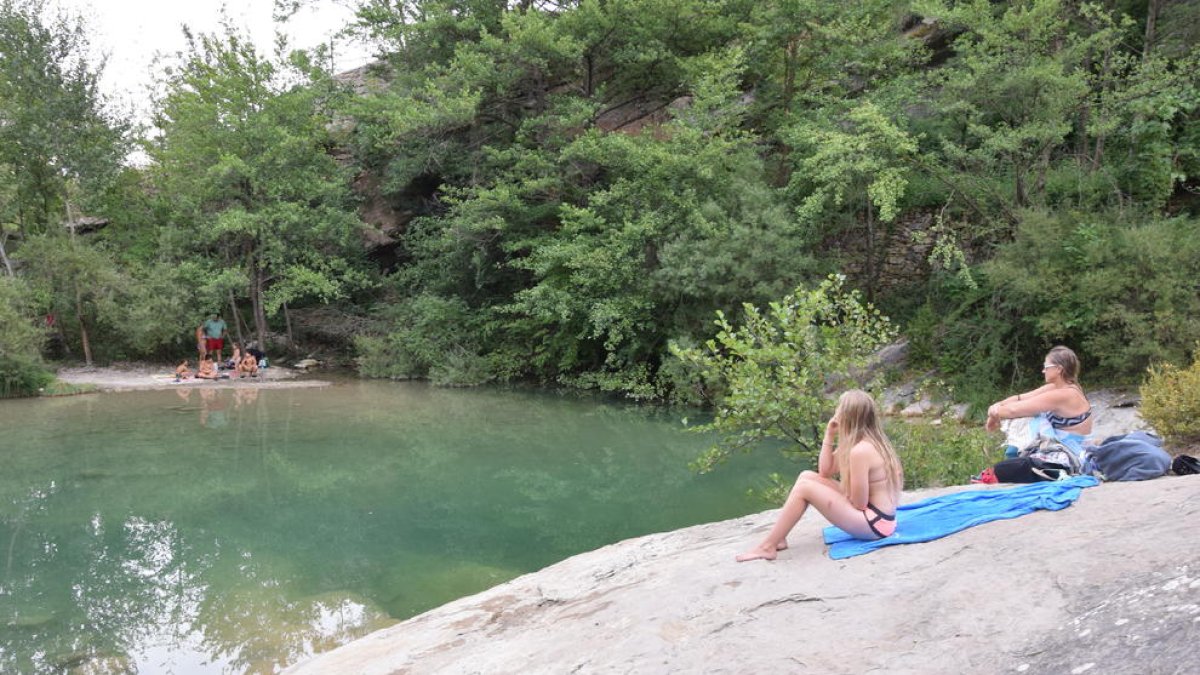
243, 151
1008, 97
808, 60
581, 250
72, 279
871, 157
1124, 293
21, 368
771, 374
60, 150
679, 226
55, 133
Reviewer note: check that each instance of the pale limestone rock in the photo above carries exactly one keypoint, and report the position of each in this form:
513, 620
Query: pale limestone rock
958, 411
975, 601
918, 408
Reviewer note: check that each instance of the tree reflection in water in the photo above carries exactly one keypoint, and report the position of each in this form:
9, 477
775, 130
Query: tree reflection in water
141, 532
146, 594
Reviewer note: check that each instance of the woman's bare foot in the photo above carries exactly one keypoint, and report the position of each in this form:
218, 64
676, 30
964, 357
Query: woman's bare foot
781, 546
757, 553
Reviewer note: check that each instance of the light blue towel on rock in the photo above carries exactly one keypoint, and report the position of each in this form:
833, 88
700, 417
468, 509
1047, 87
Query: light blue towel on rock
939, 516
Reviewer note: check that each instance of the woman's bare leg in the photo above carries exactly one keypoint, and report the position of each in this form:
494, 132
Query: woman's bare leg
793, 509
813, 476
821, 493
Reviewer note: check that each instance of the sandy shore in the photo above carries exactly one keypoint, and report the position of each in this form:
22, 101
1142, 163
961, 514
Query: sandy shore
143, 377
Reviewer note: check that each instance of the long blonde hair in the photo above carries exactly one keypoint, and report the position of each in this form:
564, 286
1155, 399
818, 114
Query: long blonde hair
858, 419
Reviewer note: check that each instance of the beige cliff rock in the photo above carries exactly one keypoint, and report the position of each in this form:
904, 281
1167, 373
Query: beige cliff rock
1112, 581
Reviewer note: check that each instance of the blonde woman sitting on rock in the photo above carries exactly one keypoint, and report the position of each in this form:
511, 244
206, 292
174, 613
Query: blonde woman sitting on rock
863, 499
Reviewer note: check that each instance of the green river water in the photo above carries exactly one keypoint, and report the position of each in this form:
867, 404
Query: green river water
210, 531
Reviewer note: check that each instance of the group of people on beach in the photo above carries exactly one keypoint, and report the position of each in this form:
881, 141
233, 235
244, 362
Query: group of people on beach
210, 343
859, 476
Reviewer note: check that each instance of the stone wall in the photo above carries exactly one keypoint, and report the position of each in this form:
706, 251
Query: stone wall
900, 254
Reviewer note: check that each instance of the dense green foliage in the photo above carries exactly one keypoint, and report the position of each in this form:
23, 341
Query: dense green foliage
59, 148
937, 455
21, 368
771, 371
242, 153
576, 186
576, 245
1171, 403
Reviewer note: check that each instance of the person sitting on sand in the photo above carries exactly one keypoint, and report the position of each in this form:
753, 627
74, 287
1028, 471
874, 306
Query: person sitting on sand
258, 354
248, 366
182, 372
207, 370
863, 501
235, 359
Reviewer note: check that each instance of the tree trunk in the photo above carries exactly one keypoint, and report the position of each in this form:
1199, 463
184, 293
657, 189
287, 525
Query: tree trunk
4, 256
1098, 153
1039, 185
1081, 123
790, 51
1152, 10
287, 320
83, 334
237, 319
1020, 195
872, 281
589, 72
256, 303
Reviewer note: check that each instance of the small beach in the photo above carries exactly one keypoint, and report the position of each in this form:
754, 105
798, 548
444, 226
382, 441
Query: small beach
144, 377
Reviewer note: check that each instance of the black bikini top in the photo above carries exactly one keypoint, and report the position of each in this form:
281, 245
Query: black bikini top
1060, 422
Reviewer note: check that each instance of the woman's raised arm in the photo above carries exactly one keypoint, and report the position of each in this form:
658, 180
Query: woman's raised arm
826, 464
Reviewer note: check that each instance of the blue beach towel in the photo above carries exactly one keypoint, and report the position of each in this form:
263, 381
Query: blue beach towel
937, 517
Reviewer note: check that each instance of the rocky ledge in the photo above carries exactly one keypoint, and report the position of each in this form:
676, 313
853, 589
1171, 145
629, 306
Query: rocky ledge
1108, 585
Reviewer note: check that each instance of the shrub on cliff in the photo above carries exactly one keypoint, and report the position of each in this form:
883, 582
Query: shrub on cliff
771, 377
1122, 293
1171, 402
427, 337
22, 372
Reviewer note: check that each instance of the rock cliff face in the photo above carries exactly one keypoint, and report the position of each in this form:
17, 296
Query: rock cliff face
1111, 583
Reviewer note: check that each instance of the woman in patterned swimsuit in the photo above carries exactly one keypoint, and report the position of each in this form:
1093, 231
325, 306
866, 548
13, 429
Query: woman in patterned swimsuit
1061, 400
863, 501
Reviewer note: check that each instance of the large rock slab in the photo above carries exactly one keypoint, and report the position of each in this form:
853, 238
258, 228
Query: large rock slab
1007, 596
1115, 412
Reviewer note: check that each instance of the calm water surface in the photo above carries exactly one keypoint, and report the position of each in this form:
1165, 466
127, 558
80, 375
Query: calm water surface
208, 531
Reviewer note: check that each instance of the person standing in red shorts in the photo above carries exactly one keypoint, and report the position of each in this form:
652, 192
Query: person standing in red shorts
214, 333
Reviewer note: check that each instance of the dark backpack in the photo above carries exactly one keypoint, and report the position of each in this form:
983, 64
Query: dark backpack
1029, 470
1184, 465
1047, 459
